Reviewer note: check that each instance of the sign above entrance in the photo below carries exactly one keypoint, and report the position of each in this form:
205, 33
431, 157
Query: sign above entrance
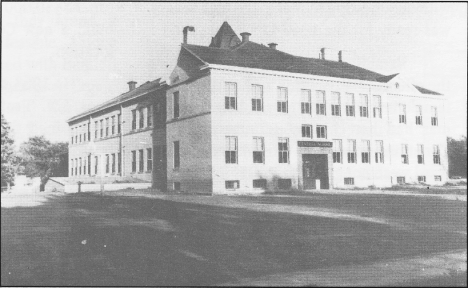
314, 144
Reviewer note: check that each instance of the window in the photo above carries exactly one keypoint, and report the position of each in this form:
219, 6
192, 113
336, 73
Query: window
420, 154
437, 178
96, 128
404, 153
133, 119
284, 184
401, 180
337, 151
363, 106
306, 131
176, 146
348, 181
321, 131
230, 98
232, 184
436, 154
107, 163
89, 164
349, 104
282, 100
176, 104
149, 159
258, 150
133, 161
231, 150
176, 186
377, 100
113, 162
149, 116
259, 183
141, 162
119, 123
79, 132
96, 162
257, 98
320, 103
72, 131
418, 115
84, 166
71, 165
365, 152
142, 118
119, 165
102, 128
336, 104
80, 166
422, 179
305, 101
113, 125
76, 135
283, 150
352, 151
76, 166
402, 113
84, 133
89, 132
434, 119
107, 127
379, 151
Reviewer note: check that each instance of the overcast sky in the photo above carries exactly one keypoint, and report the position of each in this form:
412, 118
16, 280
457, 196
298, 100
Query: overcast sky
59, 59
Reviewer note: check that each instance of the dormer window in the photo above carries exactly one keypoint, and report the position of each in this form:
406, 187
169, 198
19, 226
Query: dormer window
397, 85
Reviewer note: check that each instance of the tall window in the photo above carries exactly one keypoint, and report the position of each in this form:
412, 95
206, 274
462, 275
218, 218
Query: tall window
119, 165
282, 100
71, 173
142, 117
113, 162
133, 119
349, 104
434, 119
379, 151
84, 166
176, 146
96, 164
107, 163
113, 125
258, 150
85, 131
305, 101
404, 153
283, 150
76, 166
418, 115
352, 151
436, 154
149, 116
89, 132
321, 131
402, 113
337, 151
79, 132
107, 127
175, 106
72, 131
76, 134
89, 164
320, 103
80, 165
363, 105
377, 100
420, 154
257, 98
119, 123
149, 159
335, 104
231, 150
141, 161
230, 98
365, 151
96, 128
102, 128
307, 131
134, 161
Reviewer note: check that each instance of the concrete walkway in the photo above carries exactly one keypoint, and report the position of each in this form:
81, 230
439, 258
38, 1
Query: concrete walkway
390, 192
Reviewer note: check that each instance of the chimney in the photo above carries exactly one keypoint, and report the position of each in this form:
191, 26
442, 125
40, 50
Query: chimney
323, 53
185, 31
273, 45
131, 85
245, 36
340, 56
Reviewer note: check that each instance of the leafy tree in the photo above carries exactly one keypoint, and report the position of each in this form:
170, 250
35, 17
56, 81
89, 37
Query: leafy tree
42, 158
457, 156
8, 155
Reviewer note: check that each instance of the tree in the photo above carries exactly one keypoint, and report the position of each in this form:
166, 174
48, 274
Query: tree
42, 158
8, 155
457, 156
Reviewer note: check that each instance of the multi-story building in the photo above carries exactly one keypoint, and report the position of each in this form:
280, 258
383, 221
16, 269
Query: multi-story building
244, 117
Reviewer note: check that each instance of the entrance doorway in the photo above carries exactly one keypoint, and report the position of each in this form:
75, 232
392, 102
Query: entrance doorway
315, 166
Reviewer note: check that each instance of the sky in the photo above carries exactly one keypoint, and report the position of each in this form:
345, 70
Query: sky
59, 59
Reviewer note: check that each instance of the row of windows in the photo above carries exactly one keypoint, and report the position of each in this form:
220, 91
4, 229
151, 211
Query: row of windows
148, 111
282, 184
141, 162
400, 179
419, 115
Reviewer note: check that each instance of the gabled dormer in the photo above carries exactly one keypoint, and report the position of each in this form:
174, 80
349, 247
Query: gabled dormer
398, 84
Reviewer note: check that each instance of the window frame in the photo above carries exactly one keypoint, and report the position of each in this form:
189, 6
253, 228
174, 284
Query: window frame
282, 104
337, 151
364, 107
350, 109
258, 152
304, 129
320, 108
231, 156
283, 150
176, 105
404, 156
335, 108
230, 101
176, 154
318, 132
149, 159
365, 155
306, 107
351, 152
257, 100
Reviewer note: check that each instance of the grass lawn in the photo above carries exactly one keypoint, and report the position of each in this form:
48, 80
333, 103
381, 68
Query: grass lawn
87, 239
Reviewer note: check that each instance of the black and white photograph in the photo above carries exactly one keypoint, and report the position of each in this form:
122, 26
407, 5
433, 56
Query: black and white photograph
234, 144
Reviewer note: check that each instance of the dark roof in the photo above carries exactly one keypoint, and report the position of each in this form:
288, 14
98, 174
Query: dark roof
426, 91
385, 79
225, 38
139, 91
